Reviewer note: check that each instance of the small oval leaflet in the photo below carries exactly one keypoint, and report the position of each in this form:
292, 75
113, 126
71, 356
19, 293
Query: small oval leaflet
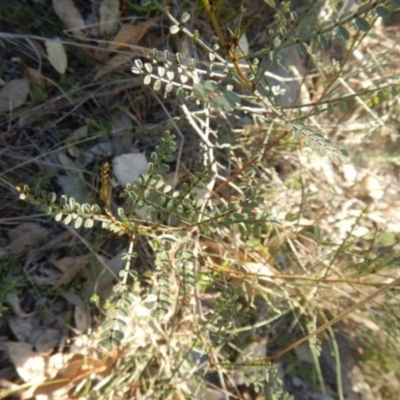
157, 85
161, 71
148, 67
363, 24
185, 17
382, 11
147, 80
343, 32
88, 223
78, 222
174, 29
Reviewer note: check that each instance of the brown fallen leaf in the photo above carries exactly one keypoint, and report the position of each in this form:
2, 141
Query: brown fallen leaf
70, 16
109, 16
35, 76
13, 300
80, 366
51, 375
369, 187
21, 328
33, 367
129, 35
70, 266
104, 283
57, 55
73, 180
76, 368
24, 235
13, 95
61, 240
46, 339
76, 135
113, 64
134, 35
28, 330
81, 314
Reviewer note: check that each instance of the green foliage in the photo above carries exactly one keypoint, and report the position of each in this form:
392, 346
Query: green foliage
9, 283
